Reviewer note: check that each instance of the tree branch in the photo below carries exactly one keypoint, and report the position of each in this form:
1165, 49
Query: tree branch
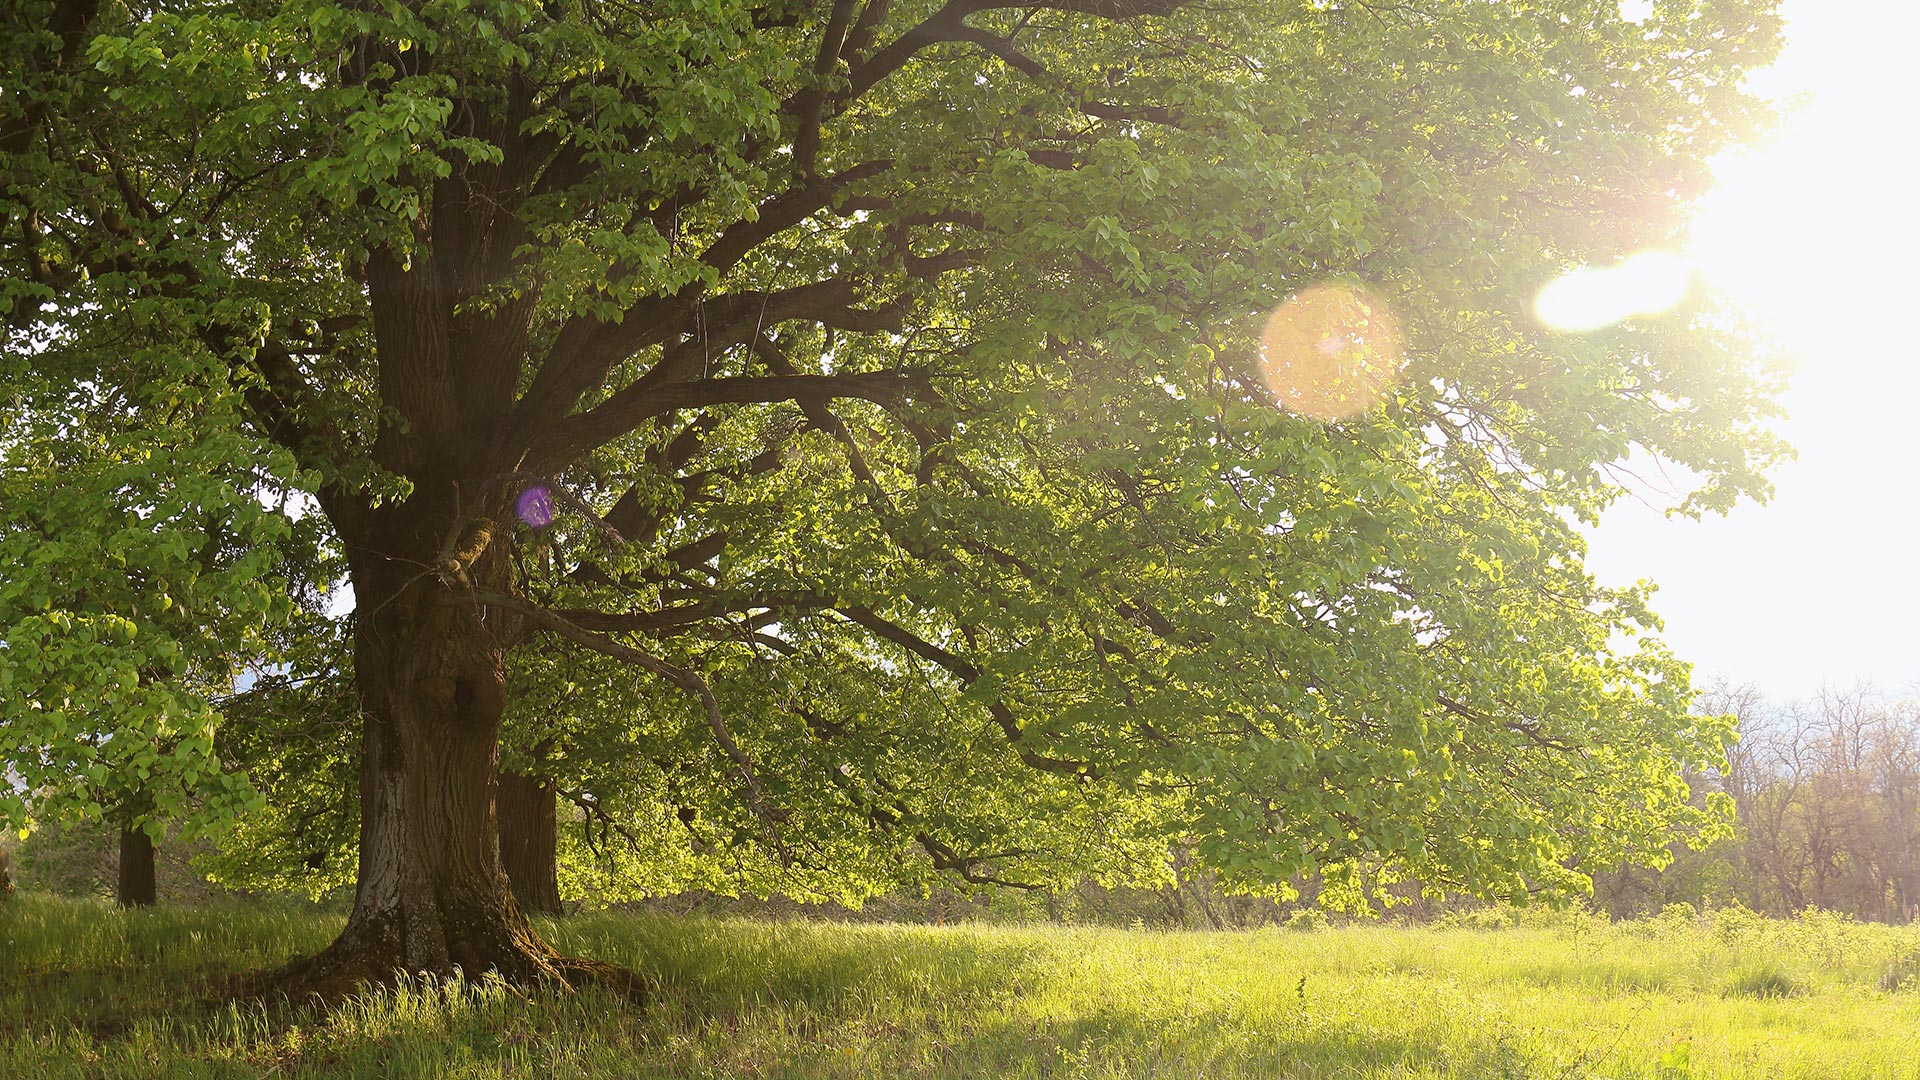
946, 858
634, 405
964, 670
829, 421
948, 24
1528, 730
1133, 114
686, 679
784, 211
1002, 47
668, 618
808, 103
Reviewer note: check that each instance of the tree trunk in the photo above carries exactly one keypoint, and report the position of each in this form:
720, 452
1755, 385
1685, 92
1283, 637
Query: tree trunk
528, 835
134, 886
432, 895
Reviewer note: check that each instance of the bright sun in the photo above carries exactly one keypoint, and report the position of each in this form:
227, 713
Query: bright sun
1816, 237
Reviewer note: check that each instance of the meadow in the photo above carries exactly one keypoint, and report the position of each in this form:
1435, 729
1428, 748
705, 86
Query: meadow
90, 991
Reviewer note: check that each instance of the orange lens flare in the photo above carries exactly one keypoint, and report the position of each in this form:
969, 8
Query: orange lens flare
1330, 352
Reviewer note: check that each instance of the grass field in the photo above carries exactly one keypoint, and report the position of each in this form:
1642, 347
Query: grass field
88, 991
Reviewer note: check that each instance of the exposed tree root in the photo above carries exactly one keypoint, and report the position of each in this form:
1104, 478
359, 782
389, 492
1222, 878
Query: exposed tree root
579, 973
332, 976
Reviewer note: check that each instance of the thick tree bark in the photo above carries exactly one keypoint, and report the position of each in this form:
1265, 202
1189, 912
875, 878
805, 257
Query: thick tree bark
432, 895
134, 886
528, 842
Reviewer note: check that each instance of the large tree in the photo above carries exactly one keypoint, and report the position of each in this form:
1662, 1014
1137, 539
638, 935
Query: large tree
873, 391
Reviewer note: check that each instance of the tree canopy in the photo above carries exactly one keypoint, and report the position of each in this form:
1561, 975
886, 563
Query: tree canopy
834, 443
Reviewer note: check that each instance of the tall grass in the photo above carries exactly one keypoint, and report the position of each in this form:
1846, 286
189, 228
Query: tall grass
88, 991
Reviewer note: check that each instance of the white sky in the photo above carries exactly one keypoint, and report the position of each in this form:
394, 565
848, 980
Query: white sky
1818, 235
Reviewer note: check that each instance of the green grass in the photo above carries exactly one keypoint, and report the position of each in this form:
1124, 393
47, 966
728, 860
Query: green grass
87, 991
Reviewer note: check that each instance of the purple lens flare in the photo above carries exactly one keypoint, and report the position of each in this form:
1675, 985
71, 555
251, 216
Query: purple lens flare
535, 506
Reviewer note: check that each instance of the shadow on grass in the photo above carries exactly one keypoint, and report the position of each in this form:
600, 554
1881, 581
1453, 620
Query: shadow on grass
731, 998
107, 1003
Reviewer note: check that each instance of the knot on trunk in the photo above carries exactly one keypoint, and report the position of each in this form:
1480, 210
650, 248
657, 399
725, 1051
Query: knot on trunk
462, 549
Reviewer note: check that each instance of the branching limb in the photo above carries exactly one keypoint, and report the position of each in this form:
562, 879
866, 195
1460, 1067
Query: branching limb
1001, 47
609, 825
636, 404
671, 618
829, 421
1528, 730
586, 350
860, 37
964, 670
968, 866
949, 24
1132, 114
809, 102
784, 211
686, 679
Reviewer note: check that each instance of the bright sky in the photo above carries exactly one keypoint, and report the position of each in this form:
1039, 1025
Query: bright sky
1818, 235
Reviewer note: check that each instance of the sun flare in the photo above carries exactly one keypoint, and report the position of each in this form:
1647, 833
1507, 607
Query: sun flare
1592, 297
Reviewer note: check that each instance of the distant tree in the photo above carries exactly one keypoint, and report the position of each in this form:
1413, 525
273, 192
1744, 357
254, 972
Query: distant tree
1854, 807
135, 884
1827, 799
877, 392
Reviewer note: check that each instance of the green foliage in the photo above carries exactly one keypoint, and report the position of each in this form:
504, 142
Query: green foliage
1311, 918
297, 733
89, 991
927, 397
1903, 972
1677, 1063
76, 858
1489, 917
144, 576
1736, 922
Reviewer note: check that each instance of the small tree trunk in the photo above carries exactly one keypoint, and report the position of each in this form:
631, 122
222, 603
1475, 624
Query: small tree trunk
528, 842
134, 886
